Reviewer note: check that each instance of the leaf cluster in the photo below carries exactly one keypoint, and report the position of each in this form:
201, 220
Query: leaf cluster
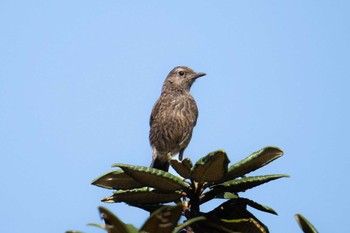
209, 178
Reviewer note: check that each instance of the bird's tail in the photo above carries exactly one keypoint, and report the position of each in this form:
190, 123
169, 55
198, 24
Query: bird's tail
161, 164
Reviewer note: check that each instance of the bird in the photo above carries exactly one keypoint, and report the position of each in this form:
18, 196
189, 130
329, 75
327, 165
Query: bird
173, 117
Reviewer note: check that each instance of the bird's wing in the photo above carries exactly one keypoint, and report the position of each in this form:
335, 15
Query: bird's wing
154, 112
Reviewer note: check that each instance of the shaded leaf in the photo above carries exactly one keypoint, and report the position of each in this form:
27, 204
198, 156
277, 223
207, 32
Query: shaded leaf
147, 207
226, 195
238, 185
154, 177
232, 210
257, 206
210, 226
143, 196
238, 200
254, 161
215, 227
243, 225
131, 228
113, 224
211, 168
72, 231
116, 180
304, 224
188, 223
163, 220
183, 168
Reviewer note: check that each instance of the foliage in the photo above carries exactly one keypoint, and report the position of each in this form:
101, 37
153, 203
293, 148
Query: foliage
304, 224
209, 178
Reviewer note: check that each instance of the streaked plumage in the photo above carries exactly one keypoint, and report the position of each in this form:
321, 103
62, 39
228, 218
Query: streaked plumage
173, 117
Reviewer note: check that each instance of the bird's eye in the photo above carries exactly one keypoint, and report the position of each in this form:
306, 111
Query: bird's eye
181, 73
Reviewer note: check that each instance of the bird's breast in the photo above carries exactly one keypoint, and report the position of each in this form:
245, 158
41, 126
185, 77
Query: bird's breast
172, 122
184, 108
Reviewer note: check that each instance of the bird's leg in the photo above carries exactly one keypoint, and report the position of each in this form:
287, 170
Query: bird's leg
169, 156
181, 154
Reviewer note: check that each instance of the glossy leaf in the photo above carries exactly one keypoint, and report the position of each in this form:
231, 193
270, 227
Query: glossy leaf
183, 168
304, 224
254, 161
239, 185
163, 220
155, 178
143, 196
117, 180
211, 168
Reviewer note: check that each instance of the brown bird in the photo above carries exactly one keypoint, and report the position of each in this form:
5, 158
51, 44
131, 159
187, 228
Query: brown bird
173, 117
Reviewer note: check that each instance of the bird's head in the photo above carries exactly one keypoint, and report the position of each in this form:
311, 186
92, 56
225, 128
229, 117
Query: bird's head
180, 78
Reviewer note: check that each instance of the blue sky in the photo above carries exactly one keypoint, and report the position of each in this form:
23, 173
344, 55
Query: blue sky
78, 80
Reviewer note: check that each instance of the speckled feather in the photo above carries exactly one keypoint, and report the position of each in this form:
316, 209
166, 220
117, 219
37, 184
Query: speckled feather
173, 117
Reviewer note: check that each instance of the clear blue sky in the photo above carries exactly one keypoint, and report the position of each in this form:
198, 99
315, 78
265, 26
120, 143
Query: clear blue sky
78, 80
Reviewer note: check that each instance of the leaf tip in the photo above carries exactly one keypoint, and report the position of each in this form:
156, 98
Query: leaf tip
118, 165
278, 151
107, 200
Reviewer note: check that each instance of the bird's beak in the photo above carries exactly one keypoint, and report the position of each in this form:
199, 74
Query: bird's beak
197, 75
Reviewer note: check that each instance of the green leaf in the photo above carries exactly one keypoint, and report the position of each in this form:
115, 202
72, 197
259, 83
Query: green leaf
73, 231
130, 228
101, 226
116, 180
155, 178
214, 227
235, 210
238, 185
239, 200
226, 195
147, 207
113, 224
254, 161
183, 168
304, 224
241, 185
143, 196
163, 220
188, 223
211, 168
243, 225
257, 206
